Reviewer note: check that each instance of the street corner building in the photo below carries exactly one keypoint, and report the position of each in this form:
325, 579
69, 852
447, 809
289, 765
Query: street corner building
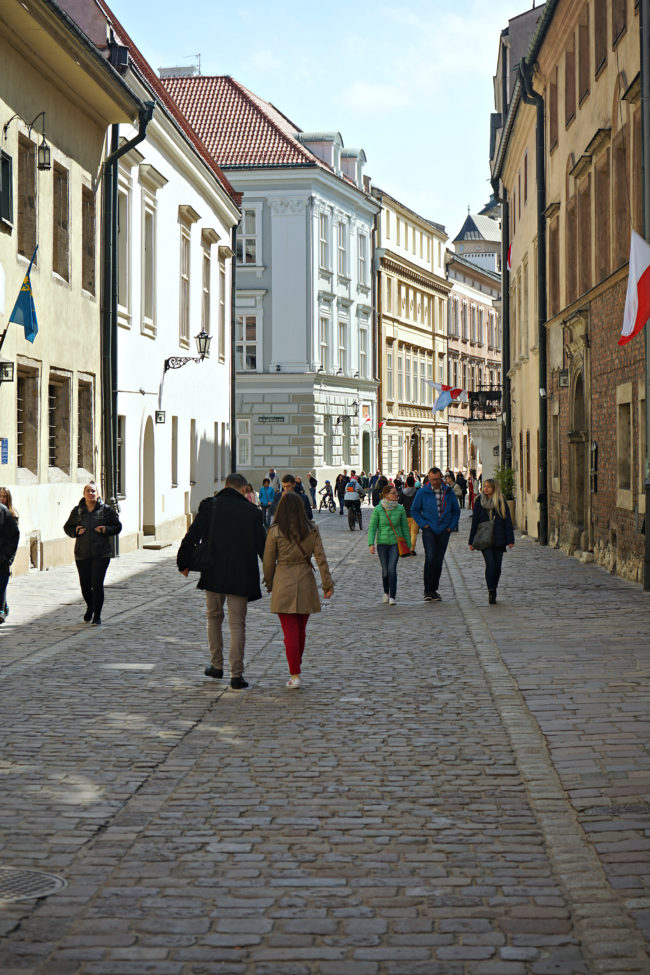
567, 164
305, 344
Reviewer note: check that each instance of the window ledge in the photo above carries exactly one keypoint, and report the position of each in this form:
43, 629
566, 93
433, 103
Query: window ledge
123, 319
148, 328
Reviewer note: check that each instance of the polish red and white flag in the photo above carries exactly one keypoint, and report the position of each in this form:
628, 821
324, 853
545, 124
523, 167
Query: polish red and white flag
509, 259
380, 424
637, 302
367, 419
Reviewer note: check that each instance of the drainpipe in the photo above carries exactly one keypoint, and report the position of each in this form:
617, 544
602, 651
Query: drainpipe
531, 97
233, 361
501, 195
644, 19
109, 308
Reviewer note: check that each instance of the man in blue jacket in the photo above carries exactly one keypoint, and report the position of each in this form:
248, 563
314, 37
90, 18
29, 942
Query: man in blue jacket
435, 508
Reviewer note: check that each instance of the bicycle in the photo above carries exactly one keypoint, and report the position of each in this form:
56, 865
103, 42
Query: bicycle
354, 514
327, 503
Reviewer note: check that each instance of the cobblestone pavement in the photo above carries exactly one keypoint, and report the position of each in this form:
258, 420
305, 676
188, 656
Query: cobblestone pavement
457, 789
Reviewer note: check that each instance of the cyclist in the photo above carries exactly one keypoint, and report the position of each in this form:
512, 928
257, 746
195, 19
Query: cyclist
352, 500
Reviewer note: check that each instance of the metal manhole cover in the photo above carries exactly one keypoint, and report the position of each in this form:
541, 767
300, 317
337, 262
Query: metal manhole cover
16, 885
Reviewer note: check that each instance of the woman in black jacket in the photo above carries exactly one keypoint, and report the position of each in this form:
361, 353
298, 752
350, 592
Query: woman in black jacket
491, 504
92, 523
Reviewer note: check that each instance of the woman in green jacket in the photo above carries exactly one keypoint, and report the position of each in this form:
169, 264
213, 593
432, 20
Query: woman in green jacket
387, 523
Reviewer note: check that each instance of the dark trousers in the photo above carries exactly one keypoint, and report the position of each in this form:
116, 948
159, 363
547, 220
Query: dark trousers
493, 558
435, 546
91, 579
4, 579
266, 515
388, 556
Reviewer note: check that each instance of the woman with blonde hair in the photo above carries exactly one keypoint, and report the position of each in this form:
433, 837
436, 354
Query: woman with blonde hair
491, 508
92, 523
9, 536
289, 576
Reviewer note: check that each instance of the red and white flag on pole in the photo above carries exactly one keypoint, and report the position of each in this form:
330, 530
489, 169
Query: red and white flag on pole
637, 302
367, 419
380, 424
509, 259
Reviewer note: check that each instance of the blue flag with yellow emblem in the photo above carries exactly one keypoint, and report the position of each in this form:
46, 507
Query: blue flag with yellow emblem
24, 312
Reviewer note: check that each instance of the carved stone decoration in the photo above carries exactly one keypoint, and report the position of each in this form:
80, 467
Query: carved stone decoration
285, 207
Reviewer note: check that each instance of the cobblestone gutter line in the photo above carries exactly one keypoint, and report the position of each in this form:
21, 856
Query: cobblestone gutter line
611, 942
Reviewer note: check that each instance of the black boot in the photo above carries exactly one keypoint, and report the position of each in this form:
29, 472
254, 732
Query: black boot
492, 596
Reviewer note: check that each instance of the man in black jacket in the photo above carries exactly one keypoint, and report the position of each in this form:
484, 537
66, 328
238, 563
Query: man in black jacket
289, 484
234, 529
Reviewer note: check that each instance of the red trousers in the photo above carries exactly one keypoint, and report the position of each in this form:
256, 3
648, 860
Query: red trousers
294, 627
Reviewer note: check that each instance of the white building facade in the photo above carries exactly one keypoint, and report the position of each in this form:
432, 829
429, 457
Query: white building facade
305, 348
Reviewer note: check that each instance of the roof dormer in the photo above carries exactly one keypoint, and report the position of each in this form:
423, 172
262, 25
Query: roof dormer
326, 146
352, 163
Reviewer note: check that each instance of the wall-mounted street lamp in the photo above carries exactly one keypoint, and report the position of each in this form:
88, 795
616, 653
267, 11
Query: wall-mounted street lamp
203, 347
43, 153
348, 416
6, 371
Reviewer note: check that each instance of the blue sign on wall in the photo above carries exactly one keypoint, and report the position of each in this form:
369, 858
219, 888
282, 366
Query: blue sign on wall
4, 450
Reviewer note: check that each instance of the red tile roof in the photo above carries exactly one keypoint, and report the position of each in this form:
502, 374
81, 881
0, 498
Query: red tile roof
238, 127
153, 82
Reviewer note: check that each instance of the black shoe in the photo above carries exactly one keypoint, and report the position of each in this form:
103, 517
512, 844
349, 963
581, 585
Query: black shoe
97, 620
436, 596
492, 596
213, 672
428, 596
88, 615
238, 683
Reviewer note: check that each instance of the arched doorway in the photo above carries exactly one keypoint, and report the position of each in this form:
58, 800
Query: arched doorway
578, 472
148, 481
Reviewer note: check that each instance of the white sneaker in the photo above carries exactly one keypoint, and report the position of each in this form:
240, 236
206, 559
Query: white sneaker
294, 682
385, 598
392, 602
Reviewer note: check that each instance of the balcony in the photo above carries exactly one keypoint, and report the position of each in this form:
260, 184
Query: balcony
485, 403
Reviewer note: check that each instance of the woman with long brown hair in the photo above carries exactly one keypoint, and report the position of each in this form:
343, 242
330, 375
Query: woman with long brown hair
289, 576
491, 505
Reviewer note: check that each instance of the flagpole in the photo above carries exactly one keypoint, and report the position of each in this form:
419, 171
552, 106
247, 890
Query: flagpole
644, 40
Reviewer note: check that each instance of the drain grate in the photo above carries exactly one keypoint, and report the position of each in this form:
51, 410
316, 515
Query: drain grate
16, 885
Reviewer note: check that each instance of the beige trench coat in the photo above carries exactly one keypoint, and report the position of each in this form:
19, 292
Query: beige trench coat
287, 575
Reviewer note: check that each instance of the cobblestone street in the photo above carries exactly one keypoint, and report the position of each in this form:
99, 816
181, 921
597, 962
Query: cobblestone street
457, 788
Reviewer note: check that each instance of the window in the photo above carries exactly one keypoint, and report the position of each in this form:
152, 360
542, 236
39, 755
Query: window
387, 215
184, 311
6, 188
248, 237
584, 67
407, 385
243, 443
88, 240
429, 398
620, 202
554, 269
528, 487
481, 326
555, 447
624, 445
363, 352
363, 259
416, 379
584, 234
463, 319
85, 416
472, 314
343, 346
342, 252
423, 382
225, 449
124, 254
149, 265
328, 440
205, 291
400, 378
637, 174
60, 222
27, 419
174, 445
324, 342
389, 373
570, 81
58, 402
600, 34
572, 255
389, 294
324, 242
121, 457
619, 19
524, 305
222, 311
26, 197
246, 343
552, 110
525, 177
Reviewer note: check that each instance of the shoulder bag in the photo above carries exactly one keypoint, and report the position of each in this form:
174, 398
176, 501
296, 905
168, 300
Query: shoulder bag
202, 556
484, 536
403, 546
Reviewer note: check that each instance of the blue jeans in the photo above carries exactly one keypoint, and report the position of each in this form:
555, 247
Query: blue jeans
388, 556
4, 579
435, 547
493, 558
266, 515
312, 491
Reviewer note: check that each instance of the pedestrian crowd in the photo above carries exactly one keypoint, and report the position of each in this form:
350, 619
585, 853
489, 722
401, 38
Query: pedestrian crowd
239, 526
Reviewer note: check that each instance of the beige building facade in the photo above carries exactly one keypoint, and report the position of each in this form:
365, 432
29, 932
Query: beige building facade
60, 91
412, 293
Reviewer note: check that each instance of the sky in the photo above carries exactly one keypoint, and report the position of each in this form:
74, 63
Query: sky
411, 84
